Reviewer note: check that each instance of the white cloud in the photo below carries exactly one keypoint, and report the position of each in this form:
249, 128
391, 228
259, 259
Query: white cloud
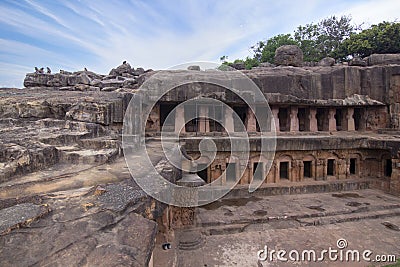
373, 12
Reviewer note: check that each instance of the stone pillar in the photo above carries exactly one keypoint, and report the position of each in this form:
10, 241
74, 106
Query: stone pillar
276, 172
301, 171
223, 172
350, 120
180, 120
343, 167
294, 120
229, 124
313, 120
203, 120
246, 178
320, 169
251, 124
271, 174
324, 169
275, 112
332, 119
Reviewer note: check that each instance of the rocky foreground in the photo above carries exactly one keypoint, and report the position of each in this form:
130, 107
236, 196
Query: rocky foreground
66, 195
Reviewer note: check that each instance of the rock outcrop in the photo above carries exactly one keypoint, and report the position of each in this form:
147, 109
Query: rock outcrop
123, 77
289, 55
383, 59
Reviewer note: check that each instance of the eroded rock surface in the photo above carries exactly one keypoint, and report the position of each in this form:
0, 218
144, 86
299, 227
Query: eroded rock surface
289, 55
120, 78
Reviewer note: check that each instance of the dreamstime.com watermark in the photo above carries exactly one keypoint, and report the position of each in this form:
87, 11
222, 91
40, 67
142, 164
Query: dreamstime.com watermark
340, 253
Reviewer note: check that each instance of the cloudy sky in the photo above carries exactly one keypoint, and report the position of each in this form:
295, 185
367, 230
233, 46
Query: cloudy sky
99, 34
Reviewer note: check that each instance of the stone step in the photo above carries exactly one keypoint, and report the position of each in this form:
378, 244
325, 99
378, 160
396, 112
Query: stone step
63, 138
349, 217
99, 143
293, 221
307, 187
189, 239
87, 156
266, 219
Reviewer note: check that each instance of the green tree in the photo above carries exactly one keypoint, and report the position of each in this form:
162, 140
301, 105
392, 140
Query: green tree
323, 39
380, 39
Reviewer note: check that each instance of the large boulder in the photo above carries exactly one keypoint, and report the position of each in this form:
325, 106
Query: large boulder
289, 55
326, 62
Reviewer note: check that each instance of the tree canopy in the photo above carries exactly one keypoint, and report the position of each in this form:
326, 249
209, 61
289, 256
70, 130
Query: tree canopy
334, 36
383, 38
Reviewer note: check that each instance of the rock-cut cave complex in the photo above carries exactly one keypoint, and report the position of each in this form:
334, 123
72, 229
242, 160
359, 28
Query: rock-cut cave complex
67, 197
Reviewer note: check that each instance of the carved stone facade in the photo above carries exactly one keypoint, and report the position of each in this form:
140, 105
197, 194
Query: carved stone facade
332, 123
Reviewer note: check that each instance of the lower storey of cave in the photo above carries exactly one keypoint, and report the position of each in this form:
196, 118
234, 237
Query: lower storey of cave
231, 231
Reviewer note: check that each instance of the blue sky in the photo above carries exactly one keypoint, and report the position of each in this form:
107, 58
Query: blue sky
99, 34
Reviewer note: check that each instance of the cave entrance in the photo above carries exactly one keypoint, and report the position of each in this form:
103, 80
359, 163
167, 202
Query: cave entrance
241, 111
304, 121
258, 171
230, 172
165, 110
284, 170
331, 167
307, 169
388, 167
284, 123
203, 172
353, 166
339, 119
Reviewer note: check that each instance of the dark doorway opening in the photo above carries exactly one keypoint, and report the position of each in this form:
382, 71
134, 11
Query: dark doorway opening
388, 167
339, 119
203, 172
357, 119
165, 110
216, 115
262, 119
307, 169
353, 166
230, 172
215, 126
241, 111
258, 171
304, 122
322, 120
284, 170
331, 167
191, 111
283, 120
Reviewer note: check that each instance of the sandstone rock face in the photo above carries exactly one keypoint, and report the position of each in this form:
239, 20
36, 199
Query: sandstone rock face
289, 55
383, 59
326, 62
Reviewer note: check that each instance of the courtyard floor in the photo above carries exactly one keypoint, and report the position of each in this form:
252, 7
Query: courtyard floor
233, 231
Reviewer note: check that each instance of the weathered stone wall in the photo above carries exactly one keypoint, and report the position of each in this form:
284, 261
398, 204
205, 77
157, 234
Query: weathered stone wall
369, 163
